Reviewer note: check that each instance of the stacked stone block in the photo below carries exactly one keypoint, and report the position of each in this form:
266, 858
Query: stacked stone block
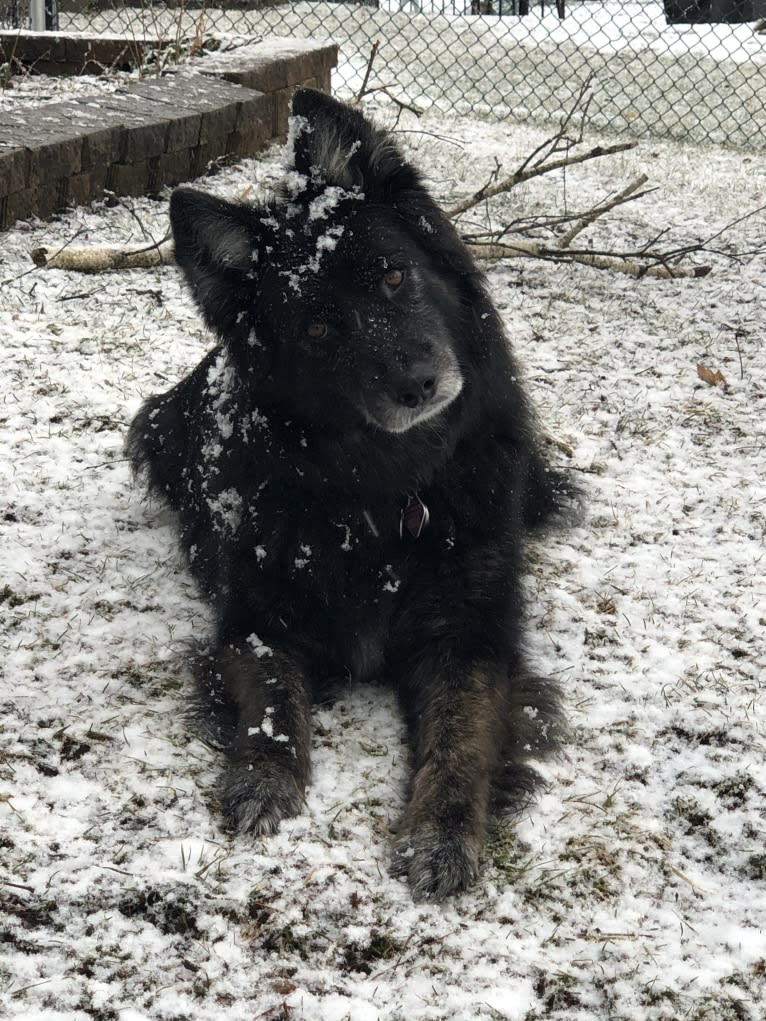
154, 132
75, 52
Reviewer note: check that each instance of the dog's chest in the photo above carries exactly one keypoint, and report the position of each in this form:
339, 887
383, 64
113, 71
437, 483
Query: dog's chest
356, 586
339, 574
371, 583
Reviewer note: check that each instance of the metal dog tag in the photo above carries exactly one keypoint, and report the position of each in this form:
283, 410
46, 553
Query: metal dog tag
414, 517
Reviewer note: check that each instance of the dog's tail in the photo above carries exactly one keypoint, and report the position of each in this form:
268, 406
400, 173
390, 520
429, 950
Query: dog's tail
154, 444
550, 493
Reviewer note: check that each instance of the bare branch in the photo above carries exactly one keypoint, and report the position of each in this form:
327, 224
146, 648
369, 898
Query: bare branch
386, 90
368, 89
561, 142
128, 206
528, 247
540, 223
363, 90
626, 195
522, 238
520, 176
432, 134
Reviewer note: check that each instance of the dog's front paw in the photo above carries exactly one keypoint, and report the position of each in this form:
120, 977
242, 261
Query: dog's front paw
257, 797
436, 861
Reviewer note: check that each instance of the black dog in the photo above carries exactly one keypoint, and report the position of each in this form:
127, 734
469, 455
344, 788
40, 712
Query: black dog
354, 467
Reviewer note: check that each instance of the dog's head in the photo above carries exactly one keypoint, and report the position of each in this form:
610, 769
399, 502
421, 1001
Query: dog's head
343, 297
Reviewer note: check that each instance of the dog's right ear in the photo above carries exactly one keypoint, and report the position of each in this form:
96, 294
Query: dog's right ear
217, 246
331, 143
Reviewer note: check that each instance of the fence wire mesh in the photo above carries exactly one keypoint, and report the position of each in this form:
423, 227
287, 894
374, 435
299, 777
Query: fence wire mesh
14, 14
686, 69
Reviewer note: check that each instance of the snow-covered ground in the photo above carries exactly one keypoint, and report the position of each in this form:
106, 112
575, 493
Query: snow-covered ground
28, 91
635, 890
700, 82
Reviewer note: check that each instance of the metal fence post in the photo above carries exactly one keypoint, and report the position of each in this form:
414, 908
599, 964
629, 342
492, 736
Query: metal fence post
44, 15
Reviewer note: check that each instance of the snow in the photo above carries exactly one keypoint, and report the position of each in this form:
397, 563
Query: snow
29, 91
259, 647
634, 887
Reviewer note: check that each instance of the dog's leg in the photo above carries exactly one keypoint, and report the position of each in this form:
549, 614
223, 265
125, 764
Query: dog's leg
454, 715
258, 702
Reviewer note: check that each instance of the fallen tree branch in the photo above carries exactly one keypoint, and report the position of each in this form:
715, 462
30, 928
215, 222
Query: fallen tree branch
530, 248
12, 280
550, 237
105, 258
561, 141
102, 258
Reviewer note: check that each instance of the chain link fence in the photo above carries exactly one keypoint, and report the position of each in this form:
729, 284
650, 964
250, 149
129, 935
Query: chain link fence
686, 69
14, 14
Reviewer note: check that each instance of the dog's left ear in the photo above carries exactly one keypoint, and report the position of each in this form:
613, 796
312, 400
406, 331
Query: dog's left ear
331, 143
217, 247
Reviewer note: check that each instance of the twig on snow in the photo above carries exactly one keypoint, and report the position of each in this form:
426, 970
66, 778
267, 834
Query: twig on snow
624, 196
18, 886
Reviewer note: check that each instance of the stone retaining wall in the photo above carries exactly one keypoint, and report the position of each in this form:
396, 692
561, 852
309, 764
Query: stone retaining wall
154, 132
75, 52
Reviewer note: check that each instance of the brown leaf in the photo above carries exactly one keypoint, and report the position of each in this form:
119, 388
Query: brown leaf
711, 376
283, 986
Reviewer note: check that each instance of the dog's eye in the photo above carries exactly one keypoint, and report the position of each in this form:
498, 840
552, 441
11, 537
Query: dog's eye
393, 278
316, 330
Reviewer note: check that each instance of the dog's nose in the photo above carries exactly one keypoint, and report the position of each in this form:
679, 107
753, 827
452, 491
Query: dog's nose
418, 388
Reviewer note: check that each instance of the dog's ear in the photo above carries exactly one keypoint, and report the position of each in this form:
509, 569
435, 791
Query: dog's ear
217, 246
331, 143
210, 234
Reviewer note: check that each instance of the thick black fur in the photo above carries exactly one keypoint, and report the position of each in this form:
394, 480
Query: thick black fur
362, 372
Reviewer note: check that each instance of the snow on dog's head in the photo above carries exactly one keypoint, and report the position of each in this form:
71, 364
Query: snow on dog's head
351, 278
